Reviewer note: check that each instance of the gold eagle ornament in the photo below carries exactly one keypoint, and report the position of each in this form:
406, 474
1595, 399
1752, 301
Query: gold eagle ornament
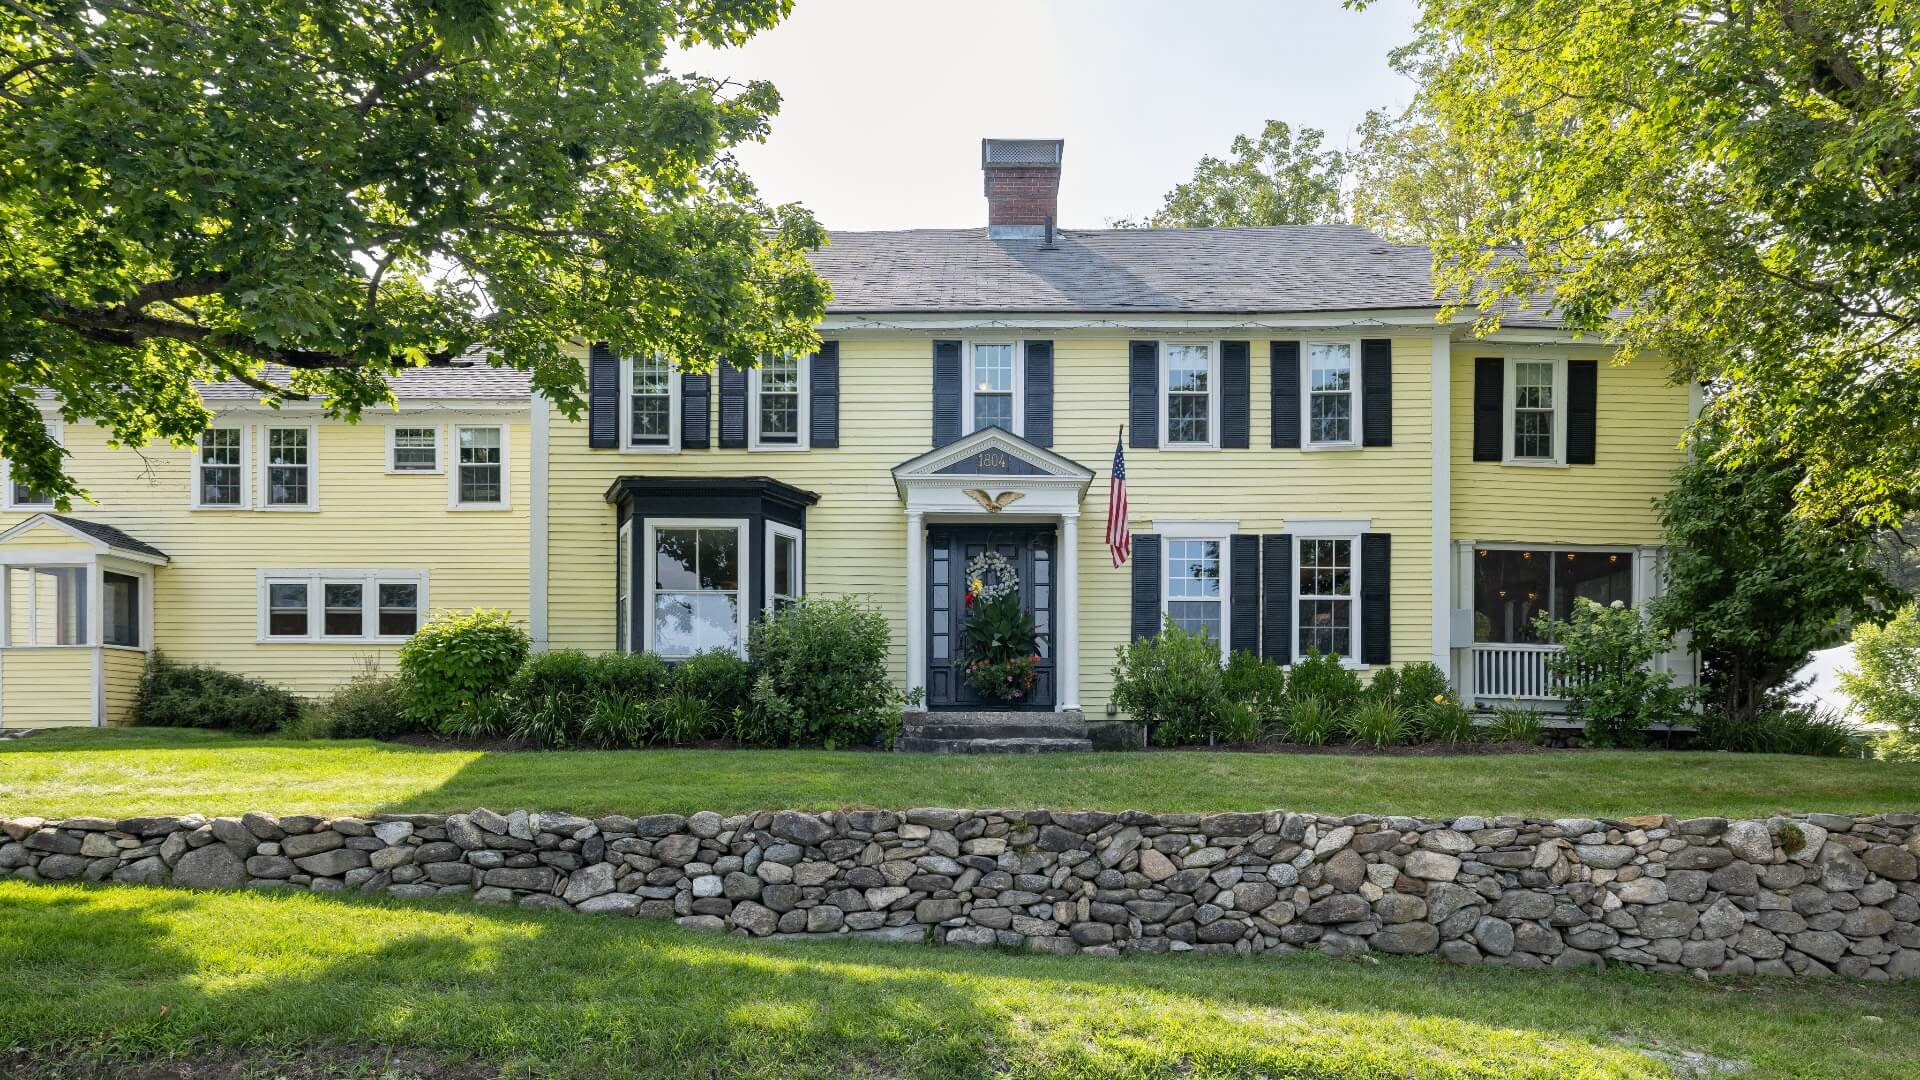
995, 503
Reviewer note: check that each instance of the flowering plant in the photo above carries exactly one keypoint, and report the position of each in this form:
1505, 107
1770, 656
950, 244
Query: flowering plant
1002, 649
989, 577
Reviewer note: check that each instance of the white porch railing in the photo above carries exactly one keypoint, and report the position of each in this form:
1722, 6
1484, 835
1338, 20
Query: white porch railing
1510, 672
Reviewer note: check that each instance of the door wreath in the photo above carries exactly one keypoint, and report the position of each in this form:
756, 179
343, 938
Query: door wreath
1002, 647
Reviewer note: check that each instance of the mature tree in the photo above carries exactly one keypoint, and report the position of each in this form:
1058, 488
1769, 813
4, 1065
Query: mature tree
1759, 587
1412, 183
1281, 178
1740, 183
197, 189
1885, 682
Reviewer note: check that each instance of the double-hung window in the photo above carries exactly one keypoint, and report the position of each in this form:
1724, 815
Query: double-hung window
1325, 597
784, 565
340, 605
651, 419
480, 475
1330, 393
779, 409
1191, 405
220, 468
992, 394
1195, 601
413, 449
696, 574
289, 468
1536, 394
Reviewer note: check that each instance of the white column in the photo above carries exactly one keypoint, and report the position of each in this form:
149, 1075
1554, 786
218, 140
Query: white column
1067, 655
916, 602
1442, 425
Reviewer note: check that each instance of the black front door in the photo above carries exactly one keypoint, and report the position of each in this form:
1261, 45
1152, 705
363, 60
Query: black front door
1030, 550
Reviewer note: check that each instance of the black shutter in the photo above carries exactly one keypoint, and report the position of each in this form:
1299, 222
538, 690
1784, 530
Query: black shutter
1276, 570
603, 398
1285, 358
1376, 609
1376, 392
1039, 418
1489, 388
1146, 586
1583, 410
1143, 394
823, 397
1236, 410
696, 405
1244, 634
733, 407
946, 392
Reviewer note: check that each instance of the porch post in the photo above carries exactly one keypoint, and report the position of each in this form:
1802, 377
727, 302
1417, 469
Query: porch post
916, 602
1067, 655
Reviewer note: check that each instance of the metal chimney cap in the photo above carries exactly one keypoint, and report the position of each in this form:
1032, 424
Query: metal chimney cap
1018, 152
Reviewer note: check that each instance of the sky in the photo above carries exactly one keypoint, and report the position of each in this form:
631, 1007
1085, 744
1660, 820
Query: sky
885, 101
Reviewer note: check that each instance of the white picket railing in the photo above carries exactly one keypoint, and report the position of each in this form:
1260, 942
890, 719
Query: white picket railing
1508, 672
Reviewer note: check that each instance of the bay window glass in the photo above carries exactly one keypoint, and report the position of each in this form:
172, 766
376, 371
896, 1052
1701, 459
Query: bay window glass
1325, 597
1330, 393
696, 585
1193, 586
48, 605
783, 567
993, 373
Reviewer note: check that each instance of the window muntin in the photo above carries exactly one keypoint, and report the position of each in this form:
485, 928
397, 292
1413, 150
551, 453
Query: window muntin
779, 405
344, 604
1534, 407
1513, 586
1329, 393
1189, 395
695, 573
120, 609
220, 468
650, 402
399, 608
287, 609
415, 449
481, 480
289, 467
1194, 600
991, 386
341, 605
784, 566
1325, 596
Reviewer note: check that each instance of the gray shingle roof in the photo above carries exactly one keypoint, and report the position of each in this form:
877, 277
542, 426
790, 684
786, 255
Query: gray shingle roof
109, 535
469, 376
1292, 268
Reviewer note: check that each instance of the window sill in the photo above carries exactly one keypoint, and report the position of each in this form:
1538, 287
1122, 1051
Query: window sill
661, 449
222, 508
416, 472
777, 448
1322, 448
307, 509
125, 648
23, 647
1526, 463
332, 640
478, 507
1189, 446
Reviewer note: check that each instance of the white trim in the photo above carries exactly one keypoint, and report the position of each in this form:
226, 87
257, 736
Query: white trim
968, 384
262, 459
246, 469
672, 445
803, 368
1224, 541
1352, 597
537, 468
644, 566
56, 429
315, 580
1321, 528
776, 530
1354, 389
916, 604
453, 468
1163, 425
1441, 370
1066, 652
1509, 400
439, 448
1196, 528
99, 688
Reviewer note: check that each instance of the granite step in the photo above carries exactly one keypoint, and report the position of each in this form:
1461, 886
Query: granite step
995, 745
988, 731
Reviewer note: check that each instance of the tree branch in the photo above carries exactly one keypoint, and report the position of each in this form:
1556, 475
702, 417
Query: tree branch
128, 328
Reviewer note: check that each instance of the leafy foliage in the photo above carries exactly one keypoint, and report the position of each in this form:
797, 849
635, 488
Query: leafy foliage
1260, 683
1323, 676
313, 198
1446, 722
1885, 682
1378, 724
1311, 721
1606, 671
718, 677
193, 696
457, 659
1172, 683
1783, 729
1001, 648
1412, 182
1511, 723
371, 705
1239, 723
1279, 178
680, 716
821, 676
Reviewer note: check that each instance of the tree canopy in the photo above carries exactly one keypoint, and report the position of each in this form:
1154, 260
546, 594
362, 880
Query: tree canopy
1736, 186
198, 189
1280, 178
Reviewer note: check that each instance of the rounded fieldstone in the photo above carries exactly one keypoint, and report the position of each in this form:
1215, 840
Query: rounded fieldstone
212, 867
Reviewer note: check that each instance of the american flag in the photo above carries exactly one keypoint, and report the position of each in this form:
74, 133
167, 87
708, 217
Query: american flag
1119, 538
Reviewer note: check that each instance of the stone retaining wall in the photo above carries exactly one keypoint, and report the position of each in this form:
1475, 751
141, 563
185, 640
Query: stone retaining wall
1814, 894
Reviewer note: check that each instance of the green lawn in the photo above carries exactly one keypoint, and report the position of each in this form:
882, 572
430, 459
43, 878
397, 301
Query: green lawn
126, 772
100, 973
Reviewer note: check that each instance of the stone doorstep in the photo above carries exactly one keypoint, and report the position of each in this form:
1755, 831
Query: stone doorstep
1019, 744
990, 731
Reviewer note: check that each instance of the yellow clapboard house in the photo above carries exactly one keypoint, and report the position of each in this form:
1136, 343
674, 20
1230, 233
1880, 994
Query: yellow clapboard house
1312, 462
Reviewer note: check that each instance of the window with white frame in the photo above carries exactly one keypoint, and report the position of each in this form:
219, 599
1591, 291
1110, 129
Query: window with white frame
19, 496
289, 467
1330, 393
1194, 598
480, 477
47, 605
784, 566
220, 471
779, 403
991, 387
1190, 404
1535, 391
120, 609
413, 450
623, 585
1325, 596
696, 574
650, 402
341, 605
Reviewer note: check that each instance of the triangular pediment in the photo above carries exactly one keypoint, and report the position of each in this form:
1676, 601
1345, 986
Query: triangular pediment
993, 452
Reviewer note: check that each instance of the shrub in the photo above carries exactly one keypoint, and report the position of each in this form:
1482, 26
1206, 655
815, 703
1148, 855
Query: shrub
1384, 685
1787, 729
1885, 685
1172, 683
194, 696
458, 658
1322, 675
551, 696
368, 706
1606, 671
1378, 724
1252, 680
635, 676
680, 717
1240, 723
1511, 723
490, 717
1447, 722
821, 676
1423, 684
1310, 721
618, 720
1895, 746
718, 677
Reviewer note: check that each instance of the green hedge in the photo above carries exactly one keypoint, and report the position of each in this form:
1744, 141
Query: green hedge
195, 696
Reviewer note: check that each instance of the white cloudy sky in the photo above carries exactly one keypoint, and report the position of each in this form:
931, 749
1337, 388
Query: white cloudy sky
886, 100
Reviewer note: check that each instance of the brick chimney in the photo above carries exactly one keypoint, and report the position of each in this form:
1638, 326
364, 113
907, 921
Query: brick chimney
1023, 186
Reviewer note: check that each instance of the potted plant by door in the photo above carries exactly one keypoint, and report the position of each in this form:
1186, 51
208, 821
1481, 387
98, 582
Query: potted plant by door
1001, 650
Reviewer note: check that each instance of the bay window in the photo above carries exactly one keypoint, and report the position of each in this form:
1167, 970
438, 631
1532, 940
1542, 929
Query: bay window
784, 564
121, 609
696, 570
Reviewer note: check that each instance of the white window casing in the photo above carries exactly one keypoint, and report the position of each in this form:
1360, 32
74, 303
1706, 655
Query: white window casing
1195, 591
1318, 357
1511, 410
698, 603
412, 439
227, 458
1331, 553
795, 585
1203, 358
471, 461
636, 442
293, 605
282, 457
759, 380
987, 361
